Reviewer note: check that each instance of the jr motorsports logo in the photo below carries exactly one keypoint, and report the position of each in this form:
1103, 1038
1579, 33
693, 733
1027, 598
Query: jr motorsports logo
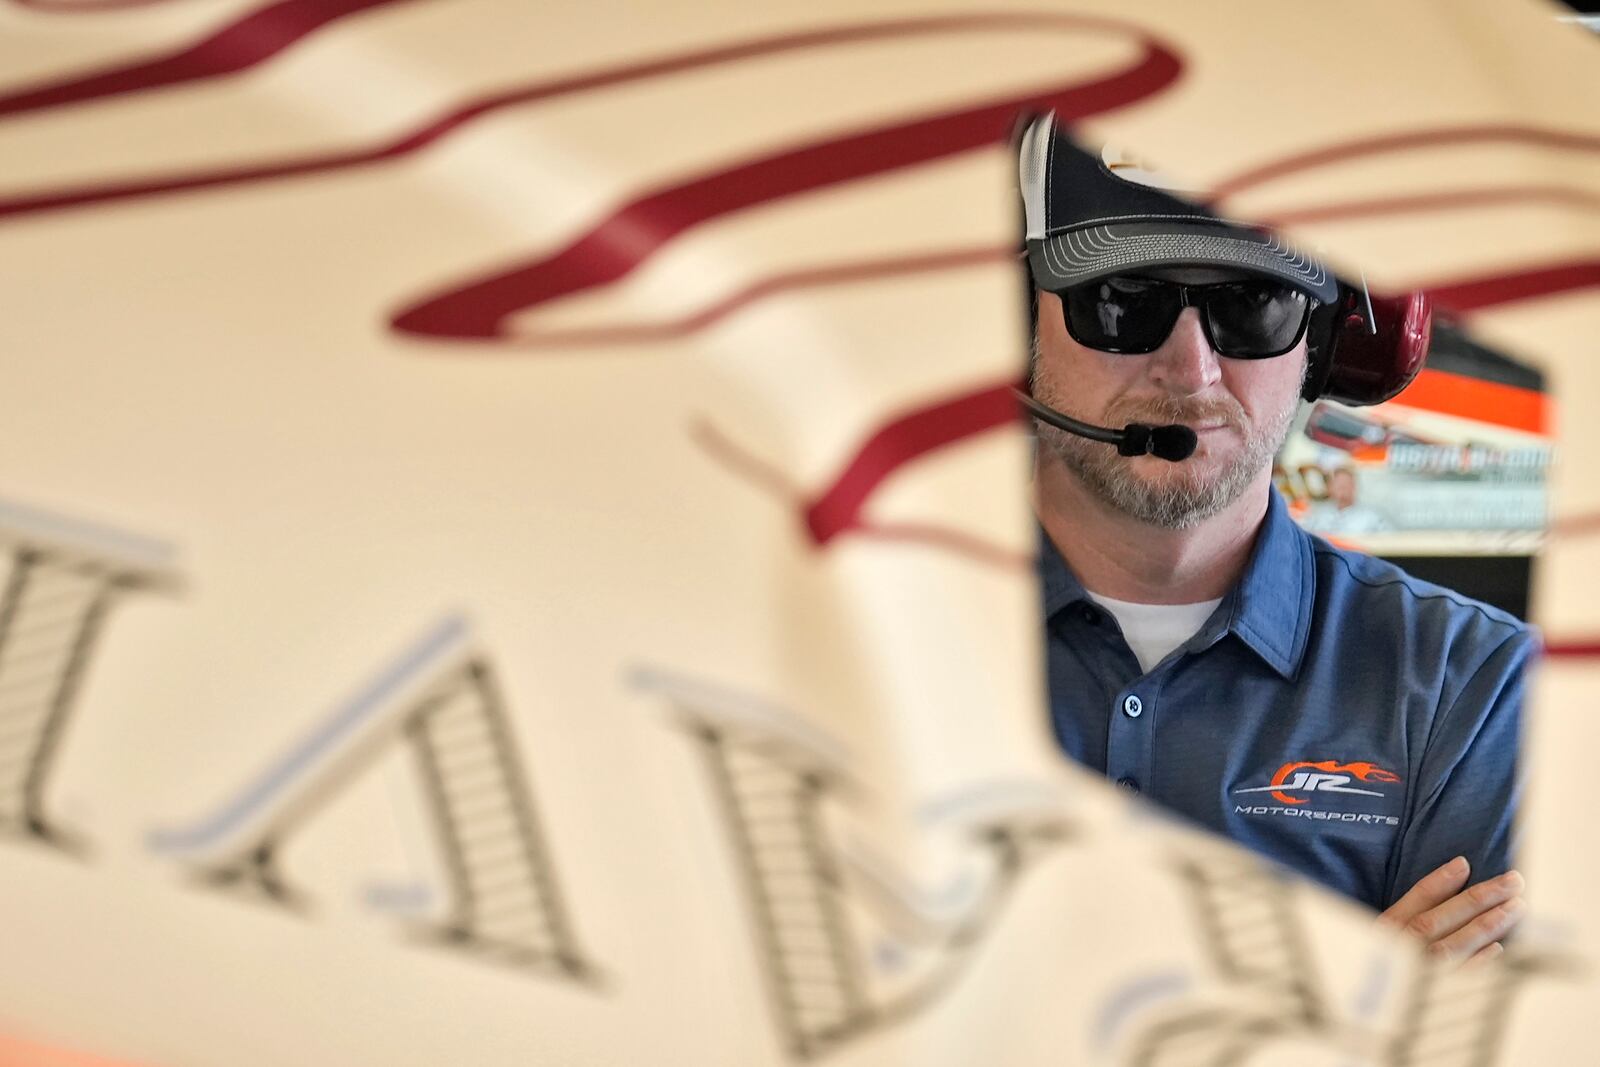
1296, 784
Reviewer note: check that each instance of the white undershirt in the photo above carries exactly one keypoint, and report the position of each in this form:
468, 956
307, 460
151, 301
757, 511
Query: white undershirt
1153, 630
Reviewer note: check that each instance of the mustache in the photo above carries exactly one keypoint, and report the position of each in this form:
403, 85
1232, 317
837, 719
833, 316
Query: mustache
1171, 409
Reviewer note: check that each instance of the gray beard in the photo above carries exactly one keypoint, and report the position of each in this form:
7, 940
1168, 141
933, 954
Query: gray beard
1176, 499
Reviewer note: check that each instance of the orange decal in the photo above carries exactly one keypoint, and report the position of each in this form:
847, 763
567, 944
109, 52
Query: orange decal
1367, 772
16, 1052
1473, 398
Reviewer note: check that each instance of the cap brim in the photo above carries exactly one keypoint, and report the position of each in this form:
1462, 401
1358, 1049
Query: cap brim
1091, 252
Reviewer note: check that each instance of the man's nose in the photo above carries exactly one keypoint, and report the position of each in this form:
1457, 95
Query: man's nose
1186, 364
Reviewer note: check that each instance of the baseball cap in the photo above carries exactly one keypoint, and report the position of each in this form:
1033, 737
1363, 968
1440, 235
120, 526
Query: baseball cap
1086, 220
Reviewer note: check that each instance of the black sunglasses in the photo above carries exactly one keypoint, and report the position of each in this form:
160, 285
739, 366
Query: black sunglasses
1253, 319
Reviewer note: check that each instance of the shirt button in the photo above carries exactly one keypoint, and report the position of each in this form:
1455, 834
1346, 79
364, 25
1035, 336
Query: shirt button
1133, 707
1130, 784
1091, 615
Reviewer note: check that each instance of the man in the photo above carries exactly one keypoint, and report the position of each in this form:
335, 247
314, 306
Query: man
1342, 512
1319, 706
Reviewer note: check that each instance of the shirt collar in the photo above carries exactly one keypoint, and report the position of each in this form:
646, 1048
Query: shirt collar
1061, 587
1270, 607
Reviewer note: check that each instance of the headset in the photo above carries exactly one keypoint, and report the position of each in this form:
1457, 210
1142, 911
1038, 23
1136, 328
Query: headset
1365, 349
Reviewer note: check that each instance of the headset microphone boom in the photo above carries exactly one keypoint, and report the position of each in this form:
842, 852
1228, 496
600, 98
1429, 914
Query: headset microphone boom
1172, 443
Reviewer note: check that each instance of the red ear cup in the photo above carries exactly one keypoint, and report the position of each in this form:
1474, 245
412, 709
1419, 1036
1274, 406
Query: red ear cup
1372, 359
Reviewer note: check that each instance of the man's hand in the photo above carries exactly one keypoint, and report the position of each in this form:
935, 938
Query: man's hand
1459, 924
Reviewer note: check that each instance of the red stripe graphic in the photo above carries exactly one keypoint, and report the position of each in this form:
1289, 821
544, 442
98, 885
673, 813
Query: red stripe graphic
243, 43
1492, 290
440, 126
839, 508
840, 273
1581, 199
1463, 295
1579, 649
628, 237
1565, 140
620, 243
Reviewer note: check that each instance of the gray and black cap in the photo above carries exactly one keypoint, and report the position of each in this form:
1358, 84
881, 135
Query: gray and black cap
1085, 222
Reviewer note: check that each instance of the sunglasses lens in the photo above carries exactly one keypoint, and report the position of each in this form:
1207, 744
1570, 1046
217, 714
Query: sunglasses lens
1254, 320
1121, 314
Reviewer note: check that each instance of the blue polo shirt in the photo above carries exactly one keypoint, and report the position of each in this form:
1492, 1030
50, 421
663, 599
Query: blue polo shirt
1334, 713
